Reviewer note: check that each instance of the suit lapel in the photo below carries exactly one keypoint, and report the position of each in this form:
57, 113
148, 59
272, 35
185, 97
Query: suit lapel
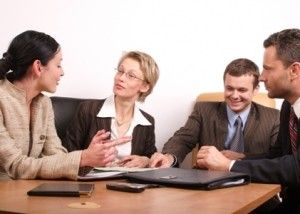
134, 144
221, 126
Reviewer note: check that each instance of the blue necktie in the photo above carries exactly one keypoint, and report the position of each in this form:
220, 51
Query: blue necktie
237, 142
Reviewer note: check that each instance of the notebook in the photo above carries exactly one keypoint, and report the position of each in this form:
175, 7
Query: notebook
62, 189
190, 178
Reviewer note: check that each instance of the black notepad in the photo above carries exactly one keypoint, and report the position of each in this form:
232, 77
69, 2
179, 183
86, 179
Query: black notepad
190, 178
62, 189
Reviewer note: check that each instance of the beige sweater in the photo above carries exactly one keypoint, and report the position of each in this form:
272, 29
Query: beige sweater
30, 147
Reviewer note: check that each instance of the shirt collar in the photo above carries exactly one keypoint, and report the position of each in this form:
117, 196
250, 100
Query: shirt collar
108, 110
232, 115
296, 107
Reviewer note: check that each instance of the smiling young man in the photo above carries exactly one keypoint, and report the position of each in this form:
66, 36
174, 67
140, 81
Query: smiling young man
281, 76
214, 123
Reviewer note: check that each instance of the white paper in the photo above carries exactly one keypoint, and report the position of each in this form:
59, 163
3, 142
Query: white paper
123, 169
99, 175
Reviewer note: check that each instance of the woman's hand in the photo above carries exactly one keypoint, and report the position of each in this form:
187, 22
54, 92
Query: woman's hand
134, 161
101, 151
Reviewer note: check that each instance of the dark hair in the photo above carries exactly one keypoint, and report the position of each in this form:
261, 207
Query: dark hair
23, 50
287, 45
242, 66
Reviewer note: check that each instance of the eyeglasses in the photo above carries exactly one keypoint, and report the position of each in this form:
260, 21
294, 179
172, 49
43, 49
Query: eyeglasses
129, 75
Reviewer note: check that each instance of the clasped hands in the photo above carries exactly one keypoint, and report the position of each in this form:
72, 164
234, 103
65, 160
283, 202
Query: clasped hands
208, 157
102, 152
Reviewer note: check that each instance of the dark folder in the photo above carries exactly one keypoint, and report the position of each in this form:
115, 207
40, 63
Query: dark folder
62, 189
190, 178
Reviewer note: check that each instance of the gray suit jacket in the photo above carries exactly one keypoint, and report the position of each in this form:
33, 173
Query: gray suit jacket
207, 125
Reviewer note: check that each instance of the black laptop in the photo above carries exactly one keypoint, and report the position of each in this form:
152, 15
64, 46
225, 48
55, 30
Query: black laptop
190, 178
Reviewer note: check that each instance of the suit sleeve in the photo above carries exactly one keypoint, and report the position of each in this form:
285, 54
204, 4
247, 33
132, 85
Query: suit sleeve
186, 138
284, 170
150, 142
54, 162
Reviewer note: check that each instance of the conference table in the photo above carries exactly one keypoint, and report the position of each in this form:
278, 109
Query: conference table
239, 199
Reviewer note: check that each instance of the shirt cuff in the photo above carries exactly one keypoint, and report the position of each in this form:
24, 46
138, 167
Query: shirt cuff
231, 164
175, 160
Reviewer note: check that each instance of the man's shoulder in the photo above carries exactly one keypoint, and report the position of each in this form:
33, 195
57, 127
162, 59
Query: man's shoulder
265, 109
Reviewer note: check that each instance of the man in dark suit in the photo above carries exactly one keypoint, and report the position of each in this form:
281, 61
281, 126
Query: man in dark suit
212, 123
281, 75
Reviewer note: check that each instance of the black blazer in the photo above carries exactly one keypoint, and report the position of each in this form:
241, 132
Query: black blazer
86, 124
284, 169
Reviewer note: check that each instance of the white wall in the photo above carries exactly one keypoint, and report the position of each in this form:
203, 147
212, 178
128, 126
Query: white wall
191, 40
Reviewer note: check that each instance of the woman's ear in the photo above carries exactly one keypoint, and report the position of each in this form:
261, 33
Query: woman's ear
145, 87
37, 67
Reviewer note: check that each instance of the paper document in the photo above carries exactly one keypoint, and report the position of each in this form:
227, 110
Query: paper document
94, 175
99, 173
123, 169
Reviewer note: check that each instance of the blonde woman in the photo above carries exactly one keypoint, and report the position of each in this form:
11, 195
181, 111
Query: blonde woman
136, 75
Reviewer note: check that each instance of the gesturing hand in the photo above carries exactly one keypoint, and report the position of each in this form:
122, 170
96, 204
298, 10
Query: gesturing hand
102, 150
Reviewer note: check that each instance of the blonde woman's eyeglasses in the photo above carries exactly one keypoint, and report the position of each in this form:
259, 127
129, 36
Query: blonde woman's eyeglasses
129, 75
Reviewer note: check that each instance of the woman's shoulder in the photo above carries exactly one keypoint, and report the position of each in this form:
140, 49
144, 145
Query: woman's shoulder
43, 100
2, 89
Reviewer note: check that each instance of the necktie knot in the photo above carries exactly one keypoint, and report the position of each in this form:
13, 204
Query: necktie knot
238, 122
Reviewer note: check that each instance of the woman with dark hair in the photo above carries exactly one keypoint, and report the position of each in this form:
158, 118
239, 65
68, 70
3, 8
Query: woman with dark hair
29, 145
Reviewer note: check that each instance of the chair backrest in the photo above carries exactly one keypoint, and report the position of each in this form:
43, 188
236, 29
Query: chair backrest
260, 98
64, 110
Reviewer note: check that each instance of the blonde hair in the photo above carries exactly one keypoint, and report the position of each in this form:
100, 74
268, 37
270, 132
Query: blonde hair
148, 67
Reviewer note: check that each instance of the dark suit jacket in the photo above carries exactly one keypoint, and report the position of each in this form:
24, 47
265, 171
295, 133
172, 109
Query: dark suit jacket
284, 169
208, 125
86, 124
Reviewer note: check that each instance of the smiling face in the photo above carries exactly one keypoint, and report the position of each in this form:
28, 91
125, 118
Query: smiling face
239, 91
128, 81
51, 73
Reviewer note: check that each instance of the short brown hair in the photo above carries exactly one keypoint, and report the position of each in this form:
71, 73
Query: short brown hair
242, 66
287, 45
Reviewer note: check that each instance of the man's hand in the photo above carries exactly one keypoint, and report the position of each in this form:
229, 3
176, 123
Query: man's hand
161, 160
233, 155
209, 157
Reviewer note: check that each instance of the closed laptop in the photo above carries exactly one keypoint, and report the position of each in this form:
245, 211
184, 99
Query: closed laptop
190, 178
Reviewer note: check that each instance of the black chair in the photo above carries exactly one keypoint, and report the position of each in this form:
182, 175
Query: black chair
64, 110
